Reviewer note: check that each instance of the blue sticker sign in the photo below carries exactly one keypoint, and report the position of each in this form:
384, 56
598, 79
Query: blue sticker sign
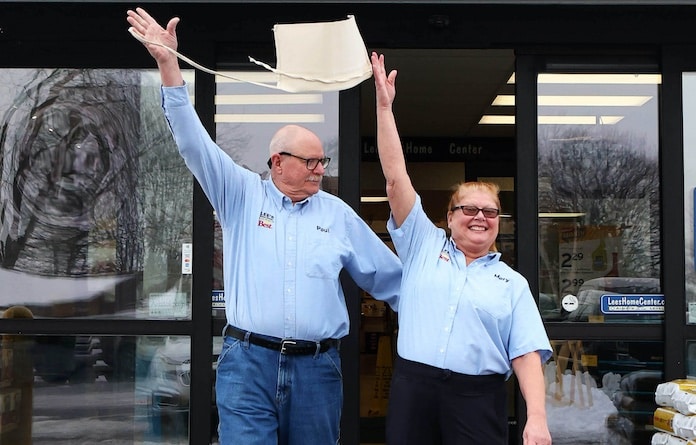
218, 299
633, 304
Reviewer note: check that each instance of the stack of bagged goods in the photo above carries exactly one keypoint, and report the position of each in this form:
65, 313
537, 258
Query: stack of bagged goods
668, 439
675, 417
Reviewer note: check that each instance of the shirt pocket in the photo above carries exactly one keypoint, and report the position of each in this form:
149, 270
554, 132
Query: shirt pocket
492, 309
323, 259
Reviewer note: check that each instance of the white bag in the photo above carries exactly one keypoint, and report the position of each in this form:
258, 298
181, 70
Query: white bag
324, 56
311, 57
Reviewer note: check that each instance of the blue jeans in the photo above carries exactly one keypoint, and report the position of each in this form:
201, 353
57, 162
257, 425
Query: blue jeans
266, 398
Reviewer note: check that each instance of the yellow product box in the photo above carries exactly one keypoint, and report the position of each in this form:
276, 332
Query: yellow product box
679, 394
661, 438
672, 421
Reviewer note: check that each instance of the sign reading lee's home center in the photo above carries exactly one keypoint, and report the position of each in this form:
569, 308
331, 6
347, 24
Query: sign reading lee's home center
422, 149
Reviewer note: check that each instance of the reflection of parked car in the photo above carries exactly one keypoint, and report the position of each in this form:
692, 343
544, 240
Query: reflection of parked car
168, 384
65, 358
128, 357
550, 311
592, 292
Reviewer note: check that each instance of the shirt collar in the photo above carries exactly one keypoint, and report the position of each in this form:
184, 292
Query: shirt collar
490, 258
279, 199
274, 194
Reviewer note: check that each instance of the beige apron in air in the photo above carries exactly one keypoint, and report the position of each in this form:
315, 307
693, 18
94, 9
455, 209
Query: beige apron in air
311, 57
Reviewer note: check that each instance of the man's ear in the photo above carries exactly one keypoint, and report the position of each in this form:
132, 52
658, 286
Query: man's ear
273, 161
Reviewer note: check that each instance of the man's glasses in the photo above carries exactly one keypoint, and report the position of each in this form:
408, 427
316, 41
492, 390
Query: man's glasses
312, 162
488, 212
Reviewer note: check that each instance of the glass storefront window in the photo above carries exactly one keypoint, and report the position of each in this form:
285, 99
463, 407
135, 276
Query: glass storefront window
689, 114
601, 392
246, 118
691, 358
82, 389
95, 202
599, 198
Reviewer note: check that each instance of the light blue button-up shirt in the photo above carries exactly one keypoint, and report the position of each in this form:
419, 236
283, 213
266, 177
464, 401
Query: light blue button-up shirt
281, 261
470, 319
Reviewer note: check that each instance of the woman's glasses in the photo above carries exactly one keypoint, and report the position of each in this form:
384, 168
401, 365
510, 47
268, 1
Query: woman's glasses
488, 212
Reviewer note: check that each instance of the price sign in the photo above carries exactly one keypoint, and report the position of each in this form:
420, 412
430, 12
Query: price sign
584, 253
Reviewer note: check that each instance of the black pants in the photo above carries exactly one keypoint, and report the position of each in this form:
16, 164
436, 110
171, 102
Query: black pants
433, 406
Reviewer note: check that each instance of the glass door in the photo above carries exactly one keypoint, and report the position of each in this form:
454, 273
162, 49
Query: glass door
600, 262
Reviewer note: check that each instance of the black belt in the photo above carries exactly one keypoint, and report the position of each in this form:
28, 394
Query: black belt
288, 346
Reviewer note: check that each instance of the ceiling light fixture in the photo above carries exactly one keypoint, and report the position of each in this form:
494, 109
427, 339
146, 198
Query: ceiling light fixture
268, 99
258, 116
578, 120
508, 100
268, 118
627, 79
499, 119
562, 215
374, 199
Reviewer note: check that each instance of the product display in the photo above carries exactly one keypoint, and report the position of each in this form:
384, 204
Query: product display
668, 439
675, 418
679, 394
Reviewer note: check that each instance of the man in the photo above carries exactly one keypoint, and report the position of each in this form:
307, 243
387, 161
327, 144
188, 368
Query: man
285, 242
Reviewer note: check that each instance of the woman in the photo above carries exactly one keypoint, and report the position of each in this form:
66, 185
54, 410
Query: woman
466, 320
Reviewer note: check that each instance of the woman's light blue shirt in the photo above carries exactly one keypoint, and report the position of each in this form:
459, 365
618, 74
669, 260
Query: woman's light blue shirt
281, 261
470, 319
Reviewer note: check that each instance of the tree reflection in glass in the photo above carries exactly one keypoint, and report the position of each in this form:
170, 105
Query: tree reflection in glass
69, 173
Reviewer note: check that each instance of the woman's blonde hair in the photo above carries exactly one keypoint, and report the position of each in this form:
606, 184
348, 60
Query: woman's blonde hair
463, 188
